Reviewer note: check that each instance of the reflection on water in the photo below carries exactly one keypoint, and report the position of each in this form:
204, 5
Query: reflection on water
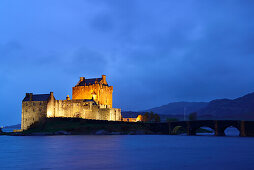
232, 131
126, 152
211, 133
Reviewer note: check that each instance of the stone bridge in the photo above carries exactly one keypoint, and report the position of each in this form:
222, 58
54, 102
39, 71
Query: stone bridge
246, 128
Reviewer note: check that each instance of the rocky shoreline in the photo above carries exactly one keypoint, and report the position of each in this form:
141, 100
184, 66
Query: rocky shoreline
78, 126
99, 132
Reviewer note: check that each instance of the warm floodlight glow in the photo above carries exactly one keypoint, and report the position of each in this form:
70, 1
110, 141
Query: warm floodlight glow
139, 118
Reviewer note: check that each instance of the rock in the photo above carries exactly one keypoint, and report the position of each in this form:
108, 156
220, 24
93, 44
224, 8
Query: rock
131, 133
42, 133
115, 133
62, 133
140, 132
101, 132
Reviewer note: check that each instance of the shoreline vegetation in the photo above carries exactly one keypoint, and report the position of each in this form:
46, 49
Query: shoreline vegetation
79, 126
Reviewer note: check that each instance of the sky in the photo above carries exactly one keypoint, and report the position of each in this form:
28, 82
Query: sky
152, 51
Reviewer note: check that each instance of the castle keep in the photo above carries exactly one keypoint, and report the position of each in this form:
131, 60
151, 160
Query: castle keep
91, 99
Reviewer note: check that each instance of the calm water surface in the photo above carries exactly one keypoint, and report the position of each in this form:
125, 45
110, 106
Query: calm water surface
126, 152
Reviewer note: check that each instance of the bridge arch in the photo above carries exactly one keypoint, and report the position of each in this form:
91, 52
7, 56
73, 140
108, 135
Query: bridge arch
232, 131
223, 125
177, 130
205, 131
201, 126
244, 128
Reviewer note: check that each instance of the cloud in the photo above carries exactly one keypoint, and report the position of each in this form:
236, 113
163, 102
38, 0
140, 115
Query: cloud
153, 52
87, 61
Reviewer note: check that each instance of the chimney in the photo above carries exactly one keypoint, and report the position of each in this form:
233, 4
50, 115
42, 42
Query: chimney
68, 97
30, 96
82, 79
104, 79
51, 95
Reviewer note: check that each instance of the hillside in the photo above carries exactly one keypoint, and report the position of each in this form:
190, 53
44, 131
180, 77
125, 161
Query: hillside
239, 108
11, 128
18, 126
171, 110
178, 108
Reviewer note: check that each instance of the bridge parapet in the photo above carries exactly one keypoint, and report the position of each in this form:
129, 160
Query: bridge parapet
246, 128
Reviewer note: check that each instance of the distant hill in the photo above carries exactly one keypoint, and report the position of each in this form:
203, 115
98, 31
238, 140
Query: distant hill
18, 126
171, 110
239, 108
11, 128
178, 108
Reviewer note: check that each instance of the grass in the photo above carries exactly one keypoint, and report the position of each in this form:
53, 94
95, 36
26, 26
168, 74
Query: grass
84, 126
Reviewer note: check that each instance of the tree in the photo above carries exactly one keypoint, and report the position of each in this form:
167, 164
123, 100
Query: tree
157, 118
151, 117
172, 119
193, 116
146, 117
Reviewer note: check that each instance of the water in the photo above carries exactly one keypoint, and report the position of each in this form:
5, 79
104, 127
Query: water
230, 131
126, 152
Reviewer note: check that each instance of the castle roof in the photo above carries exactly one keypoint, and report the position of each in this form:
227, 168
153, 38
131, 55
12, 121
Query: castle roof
37, 97
89, 100
87, 82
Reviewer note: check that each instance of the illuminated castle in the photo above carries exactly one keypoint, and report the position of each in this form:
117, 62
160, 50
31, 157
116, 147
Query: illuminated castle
91, 99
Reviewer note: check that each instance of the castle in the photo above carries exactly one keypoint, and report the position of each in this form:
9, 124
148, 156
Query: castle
91, 99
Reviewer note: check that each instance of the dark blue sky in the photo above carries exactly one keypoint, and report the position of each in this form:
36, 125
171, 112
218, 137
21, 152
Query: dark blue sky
152, 51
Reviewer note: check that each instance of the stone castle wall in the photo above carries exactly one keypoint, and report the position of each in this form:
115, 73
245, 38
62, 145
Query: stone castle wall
83, 109
33, 111
89, 101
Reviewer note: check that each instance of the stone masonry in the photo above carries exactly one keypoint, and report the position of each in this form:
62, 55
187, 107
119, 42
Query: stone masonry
92, 99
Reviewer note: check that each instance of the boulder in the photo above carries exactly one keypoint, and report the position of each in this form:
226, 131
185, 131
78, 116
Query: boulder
42, 133
62, 133
101, 132
115, 133
140, 132
131, 133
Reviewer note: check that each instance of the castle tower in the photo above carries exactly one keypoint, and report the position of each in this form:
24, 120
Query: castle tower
96, 89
